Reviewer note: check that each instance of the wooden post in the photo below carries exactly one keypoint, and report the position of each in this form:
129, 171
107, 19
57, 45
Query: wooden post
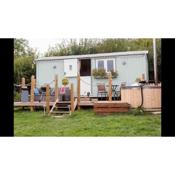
56, 87
110, 86
32, 92
155, 61
78, 91
47, 99
72, 97
23, 82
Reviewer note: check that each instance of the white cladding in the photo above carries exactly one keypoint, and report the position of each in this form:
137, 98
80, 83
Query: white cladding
129, 65
70, 67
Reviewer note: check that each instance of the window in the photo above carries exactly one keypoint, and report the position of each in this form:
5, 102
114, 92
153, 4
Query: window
107, 64
100, 64
110, 65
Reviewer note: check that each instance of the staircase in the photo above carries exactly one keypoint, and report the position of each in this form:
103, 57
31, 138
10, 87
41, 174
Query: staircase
60, 108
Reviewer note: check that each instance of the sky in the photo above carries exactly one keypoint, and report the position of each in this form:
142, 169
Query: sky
42, 44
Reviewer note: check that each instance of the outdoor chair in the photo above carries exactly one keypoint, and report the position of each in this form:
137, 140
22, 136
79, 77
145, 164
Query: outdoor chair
37, 94
115, 92
101, 91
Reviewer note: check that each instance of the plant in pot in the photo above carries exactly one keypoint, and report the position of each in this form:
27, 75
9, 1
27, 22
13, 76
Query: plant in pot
99, 73
95, 72
114, 74
102, 73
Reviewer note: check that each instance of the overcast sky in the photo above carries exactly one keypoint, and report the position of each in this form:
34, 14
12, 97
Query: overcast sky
42, 44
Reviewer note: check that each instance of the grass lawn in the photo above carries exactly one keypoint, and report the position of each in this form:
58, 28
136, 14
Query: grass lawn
86, 123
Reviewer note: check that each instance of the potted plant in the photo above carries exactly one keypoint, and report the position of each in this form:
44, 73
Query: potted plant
65, 81
114, 74
101, 73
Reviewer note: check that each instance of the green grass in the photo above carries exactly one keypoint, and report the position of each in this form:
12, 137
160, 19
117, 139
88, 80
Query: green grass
86, 123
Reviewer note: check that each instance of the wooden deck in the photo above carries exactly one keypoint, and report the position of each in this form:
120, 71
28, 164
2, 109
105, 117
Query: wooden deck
29, 104
99, 107
41, 104
86, 103
36, 103
107, 107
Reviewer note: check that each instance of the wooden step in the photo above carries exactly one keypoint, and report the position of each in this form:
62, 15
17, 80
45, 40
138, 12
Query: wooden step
110, 104
86, 103
61, 107
58, 116
84, 98
107, 107
63, 102
110, 110
60, 112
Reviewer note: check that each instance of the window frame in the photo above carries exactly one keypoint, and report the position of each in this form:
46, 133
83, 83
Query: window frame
105, 60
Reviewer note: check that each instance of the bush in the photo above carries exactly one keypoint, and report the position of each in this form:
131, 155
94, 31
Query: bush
23, 68
17, 96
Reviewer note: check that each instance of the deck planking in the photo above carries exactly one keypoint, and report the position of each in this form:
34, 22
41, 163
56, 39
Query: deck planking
107, 107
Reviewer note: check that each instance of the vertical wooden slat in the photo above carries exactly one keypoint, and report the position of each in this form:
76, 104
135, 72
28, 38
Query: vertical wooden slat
72, 97
23, 82
32, 92
110, 86
47, 98
56, 87
78, 91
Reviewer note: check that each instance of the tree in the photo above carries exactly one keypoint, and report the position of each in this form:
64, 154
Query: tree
22, 49
23, 67
23, 62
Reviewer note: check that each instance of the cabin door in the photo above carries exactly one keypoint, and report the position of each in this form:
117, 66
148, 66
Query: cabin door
85, 76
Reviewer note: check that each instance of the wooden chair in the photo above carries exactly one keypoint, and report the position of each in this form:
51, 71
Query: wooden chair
101, 91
